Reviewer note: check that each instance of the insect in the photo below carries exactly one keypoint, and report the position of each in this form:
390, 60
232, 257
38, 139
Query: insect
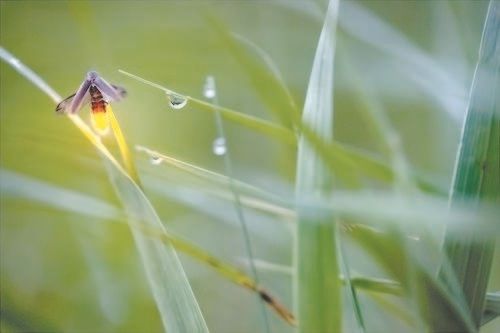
99, 93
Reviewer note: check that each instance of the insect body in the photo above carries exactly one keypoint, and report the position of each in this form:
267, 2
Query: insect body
99, 93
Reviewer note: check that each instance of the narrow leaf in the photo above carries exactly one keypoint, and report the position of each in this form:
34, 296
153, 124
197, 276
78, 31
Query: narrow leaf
316, 286
477, 170
174, 298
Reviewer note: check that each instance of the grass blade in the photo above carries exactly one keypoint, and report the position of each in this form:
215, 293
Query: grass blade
174, 298
13, 184
351, 290
228, 168
269, 200
418, 64
477, 171
316, 284
339, 157
264, 75
436, 304
492, 307
259, 125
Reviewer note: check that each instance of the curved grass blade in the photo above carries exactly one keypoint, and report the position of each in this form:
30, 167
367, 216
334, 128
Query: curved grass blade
254, 123
264, 75
384, 130
419, 65
17, 185
341, 158
437, 305
174, 298
250, 195
317, 289
477, 171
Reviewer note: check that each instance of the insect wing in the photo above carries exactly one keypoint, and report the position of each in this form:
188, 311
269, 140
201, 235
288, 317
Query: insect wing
80, 95
108, 90
120, 90
65, 104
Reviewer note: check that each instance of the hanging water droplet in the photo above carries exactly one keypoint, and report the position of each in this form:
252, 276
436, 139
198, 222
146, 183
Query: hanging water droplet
209, 88
155, 160
219, 146
176, 102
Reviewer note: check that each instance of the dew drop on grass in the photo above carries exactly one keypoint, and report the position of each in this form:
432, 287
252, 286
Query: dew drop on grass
176, 102
155, 160
219, 146
209, 88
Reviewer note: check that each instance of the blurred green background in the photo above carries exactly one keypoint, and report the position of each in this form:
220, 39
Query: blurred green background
69, 272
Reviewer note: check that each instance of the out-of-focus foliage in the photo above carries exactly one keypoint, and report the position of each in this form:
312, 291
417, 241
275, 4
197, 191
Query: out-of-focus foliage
61, 270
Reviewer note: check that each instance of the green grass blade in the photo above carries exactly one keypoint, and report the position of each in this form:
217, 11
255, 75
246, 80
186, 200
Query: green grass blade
176, 302
240, 214
420, 66
492, 307
378, 119
351, 289
18, 318
375, 285
436, 304
316, 285
256, 124
477, 170
13, 184
178, 308
269, 201
263, 74
340, 158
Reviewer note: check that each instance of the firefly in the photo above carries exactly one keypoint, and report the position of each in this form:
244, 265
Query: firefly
99, 93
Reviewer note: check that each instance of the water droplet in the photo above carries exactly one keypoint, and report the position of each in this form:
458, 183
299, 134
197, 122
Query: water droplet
209, 88
155, 160
219, 146
176, 102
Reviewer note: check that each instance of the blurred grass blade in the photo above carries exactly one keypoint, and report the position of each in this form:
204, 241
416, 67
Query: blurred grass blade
174, 298
259, 125
395, 309
316, 284
351, 290
240, 214
18, 318
13, 184
29, 74
437, 305
378, 119
492, 307
493, 302
374, 285
264, 75
477, 170
233, 274
418, 64
219, 179
341, 158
